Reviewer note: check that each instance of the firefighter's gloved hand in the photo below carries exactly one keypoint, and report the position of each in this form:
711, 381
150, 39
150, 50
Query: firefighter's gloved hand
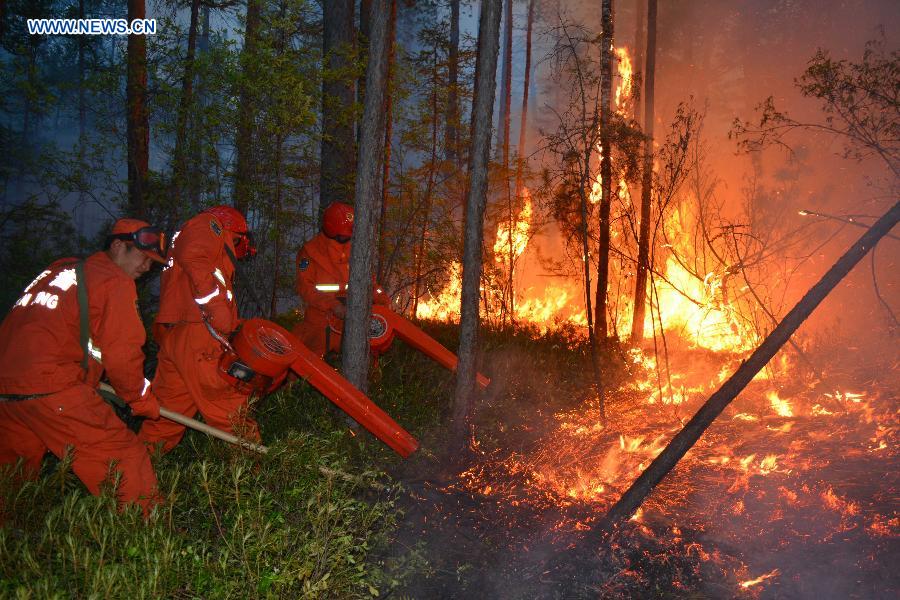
146, 406
221, 317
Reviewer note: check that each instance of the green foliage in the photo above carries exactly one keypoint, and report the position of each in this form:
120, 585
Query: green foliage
232, 526
34, 235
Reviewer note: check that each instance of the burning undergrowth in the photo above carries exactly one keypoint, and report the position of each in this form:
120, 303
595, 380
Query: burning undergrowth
792, 492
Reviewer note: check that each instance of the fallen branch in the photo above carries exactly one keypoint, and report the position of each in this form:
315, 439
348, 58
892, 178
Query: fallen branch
687, 437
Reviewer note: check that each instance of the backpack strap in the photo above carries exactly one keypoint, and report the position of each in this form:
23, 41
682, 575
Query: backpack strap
83, 314
231, 256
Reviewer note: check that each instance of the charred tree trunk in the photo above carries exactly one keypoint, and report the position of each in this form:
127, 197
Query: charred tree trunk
355, 344
338, 144
687, 437
388, 134
138, 121
246, 164
452, 152
183, 131
606, 70
643, 263
476, 198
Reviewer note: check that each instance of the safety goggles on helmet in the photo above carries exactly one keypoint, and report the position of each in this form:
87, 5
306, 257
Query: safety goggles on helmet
151, 239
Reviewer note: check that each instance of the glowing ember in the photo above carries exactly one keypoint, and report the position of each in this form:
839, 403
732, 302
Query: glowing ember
781, 407
750, 583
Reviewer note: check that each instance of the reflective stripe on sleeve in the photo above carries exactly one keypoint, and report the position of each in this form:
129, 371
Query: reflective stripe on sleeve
218, 275
207, 298
328, 287
146, 386
94, 351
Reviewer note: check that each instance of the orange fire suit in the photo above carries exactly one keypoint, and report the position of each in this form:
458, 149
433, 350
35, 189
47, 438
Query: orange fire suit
199, 276
323, 270
324, 262
49, 402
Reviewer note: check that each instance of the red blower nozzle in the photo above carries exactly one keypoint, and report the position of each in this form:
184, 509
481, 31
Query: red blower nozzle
262, 352
423, 342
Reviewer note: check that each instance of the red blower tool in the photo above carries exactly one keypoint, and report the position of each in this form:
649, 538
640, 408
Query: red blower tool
259, 356
386, 324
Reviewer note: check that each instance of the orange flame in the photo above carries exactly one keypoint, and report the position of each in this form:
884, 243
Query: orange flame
751, 582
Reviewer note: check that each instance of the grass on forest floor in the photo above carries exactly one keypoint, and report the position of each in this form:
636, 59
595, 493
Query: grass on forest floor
312, 518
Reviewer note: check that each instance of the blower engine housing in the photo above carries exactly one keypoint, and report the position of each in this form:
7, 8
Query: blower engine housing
261, 353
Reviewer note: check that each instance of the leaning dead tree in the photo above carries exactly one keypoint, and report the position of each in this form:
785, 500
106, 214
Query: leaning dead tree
687, 437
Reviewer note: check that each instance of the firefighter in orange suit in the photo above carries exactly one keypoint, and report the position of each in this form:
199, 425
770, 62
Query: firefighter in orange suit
50, 368
323, 270
197, 293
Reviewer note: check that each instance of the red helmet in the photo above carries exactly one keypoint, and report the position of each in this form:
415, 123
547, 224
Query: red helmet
337, 220
232, 220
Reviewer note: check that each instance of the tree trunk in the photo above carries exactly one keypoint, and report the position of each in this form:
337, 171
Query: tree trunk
82, 106
606, 71
523, 120
365, 8
429, 189
195, 162
452, 152
476, 198
643, 263
688, 436
640, 43
138, 122
506, 87
388, 134
82, 115
338, 143
184, 132
355, 345
246, 163
503, 133
276, 228
520, 160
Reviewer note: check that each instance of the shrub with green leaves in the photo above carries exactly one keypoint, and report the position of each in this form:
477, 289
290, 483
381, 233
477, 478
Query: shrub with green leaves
294, 523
